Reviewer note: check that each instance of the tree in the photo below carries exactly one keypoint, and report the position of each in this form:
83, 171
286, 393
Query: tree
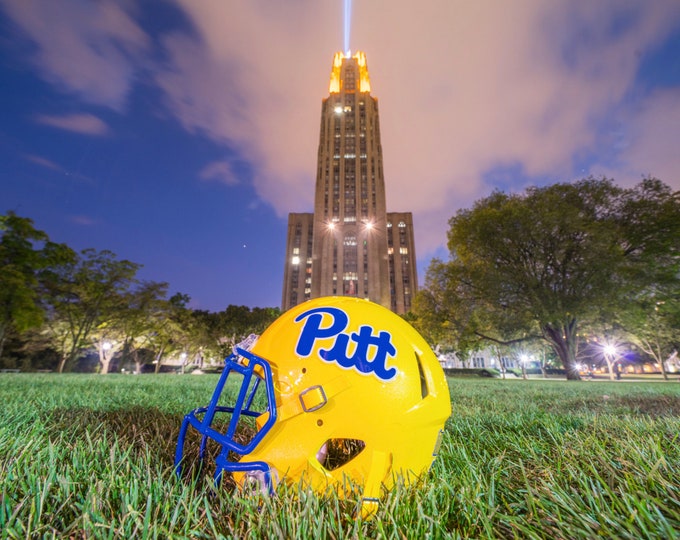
650, 217
107, 346
433, 315
652, 323
24, 253
548, 260
170, 327
464, 326
216, 334
85, 292
137, 323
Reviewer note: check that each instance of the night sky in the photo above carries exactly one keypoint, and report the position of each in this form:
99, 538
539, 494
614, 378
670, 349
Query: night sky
180, 133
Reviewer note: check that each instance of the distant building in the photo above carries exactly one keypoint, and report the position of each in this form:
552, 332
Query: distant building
350, 245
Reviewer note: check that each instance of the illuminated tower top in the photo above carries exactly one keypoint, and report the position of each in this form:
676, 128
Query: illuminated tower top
349, 73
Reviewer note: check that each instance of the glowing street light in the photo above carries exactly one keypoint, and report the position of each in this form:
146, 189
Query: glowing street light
524, 359
610, 353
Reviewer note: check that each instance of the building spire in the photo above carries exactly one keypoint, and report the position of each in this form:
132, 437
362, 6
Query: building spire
362, 81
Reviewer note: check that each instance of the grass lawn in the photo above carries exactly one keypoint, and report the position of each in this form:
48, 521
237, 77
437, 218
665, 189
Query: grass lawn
92, 456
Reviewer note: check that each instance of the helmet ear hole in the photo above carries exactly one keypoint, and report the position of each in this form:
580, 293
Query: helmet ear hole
424, 392
335, 453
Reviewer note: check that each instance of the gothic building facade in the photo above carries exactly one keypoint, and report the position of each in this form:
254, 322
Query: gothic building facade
350, 245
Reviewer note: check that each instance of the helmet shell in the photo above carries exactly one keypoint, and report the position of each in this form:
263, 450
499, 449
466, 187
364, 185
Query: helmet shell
346, 369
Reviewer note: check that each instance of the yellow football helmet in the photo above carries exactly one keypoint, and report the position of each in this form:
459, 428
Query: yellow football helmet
335, 389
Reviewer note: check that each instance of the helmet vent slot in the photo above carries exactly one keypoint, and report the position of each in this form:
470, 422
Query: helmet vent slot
424, 392
335, 453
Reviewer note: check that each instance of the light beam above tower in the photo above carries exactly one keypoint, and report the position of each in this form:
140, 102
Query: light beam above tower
347, 28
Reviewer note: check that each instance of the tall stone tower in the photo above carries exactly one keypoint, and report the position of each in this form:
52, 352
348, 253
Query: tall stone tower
350, 245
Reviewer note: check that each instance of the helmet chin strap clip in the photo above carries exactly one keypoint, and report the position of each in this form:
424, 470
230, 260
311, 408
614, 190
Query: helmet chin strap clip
313, 398
262, 481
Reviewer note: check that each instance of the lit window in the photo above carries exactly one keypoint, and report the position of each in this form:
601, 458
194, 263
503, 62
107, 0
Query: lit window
403, 250
296, 259
350, 240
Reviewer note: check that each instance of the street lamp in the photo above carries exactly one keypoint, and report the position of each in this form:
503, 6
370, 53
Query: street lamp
610, 353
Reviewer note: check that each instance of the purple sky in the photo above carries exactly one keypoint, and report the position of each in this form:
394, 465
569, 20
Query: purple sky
180, 133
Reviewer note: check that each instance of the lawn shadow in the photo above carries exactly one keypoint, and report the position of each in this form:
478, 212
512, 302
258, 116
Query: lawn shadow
137, 429
144, 433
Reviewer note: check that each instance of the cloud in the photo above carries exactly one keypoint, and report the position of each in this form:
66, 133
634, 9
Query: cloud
52, 165
44, 162
86, 124
253, 80
470, 93
647, 141
222, 171
91, 49
465, 89
85, 221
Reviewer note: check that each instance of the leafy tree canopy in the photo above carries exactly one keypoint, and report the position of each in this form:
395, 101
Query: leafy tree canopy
544, 261
25, 252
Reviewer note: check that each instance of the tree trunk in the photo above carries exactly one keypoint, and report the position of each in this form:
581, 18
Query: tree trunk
542, 362
3, 337
610, 367
653, 349
500, 361
104, 359
138, 363
562, 338
159, 360
105, 365
661, 362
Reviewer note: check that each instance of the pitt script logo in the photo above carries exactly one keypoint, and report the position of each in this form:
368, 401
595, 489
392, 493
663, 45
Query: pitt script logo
339, 351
